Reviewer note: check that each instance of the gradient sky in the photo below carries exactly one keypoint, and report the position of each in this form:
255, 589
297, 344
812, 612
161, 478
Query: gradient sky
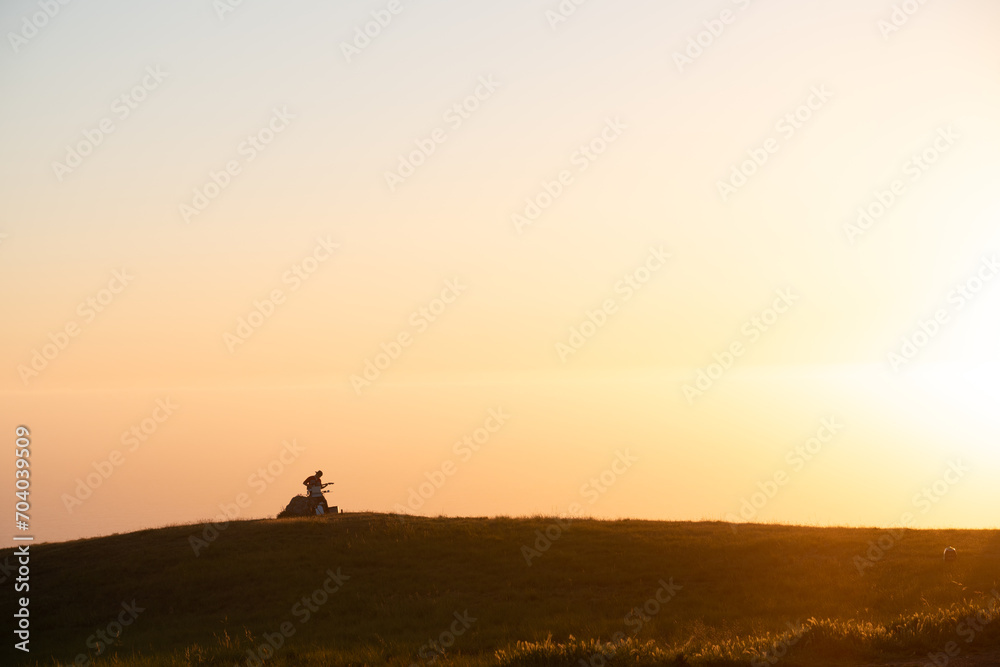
673, 134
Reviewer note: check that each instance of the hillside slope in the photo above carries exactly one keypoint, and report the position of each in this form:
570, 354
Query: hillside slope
380, 588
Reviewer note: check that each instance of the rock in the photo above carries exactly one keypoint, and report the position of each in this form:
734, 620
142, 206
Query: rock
299, 506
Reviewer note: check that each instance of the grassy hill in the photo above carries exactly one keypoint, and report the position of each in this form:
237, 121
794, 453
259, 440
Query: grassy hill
379, 589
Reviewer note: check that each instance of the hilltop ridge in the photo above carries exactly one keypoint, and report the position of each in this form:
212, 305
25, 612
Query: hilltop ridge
374, 588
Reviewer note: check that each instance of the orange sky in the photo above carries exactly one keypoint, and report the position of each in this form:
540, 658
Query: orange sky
688, 237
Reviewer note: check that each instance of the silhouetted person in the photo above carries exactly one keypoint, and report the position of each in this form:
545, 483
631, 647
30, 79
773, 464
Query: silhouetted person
314, 489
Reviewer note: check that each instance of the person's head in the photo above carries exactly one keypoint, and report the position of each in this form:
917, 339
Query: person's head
319, 473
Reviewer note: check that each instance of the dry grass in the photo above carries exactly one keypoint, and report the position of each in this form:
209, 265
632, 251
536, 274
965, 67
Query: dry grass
738, 594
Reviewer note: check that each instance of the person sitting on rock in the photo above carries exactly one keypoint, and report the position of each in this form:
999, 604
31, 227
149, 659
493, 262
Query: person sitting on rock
314, 486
